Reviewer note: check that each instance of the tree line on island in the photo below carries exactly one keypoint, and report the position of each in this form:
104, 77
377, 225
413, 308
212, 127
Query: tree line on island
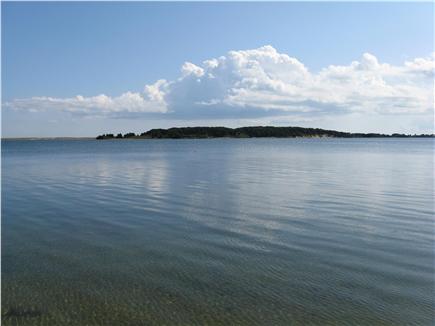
248, 132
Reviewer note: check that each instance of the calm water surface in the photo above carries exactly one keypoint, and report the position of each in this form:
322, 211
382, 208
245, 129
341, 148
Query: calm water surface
218, 232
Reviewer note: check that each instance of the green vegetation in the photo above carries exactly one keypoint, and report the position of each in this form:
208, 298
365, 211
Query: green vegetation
249, 132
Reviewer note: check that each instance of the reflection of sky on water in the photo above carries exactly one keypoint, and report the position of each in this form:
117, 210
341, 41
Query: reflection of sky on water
186, 229
149, 174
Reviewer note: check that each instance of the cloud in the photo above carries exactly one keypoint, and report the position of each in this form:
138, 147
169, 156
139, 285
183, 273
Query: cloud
150, 101
263, 82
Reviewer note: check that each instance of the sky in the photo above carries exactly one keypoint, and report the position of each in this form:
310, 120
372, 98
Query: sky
86, 68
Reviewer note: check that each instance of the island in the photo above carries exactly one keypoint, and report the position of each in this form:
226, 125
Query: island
249, 132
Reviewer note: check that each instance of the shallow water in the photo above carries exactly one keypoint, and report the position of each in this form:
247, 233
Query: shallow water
218, 232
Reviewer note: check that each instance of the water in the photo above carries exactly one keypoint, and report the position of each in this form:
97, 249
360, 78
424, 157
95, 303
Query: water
218, 232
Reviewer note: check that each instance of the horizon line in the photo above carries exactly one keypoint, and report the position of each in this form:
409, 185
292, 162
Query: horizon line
199, 126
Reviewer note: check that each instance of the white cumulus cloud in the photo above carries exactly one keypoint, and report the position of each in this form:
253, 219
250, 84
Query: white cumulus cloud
150, 101
262, 82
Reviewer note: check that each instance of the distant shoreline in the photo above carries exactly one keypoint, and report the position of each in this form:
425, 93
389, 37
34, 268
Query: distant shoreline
251, 132
48, 138
223, 132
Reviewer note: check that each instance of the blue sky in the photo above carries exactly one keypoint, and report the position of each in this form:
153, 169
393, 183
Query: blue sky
52, 52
